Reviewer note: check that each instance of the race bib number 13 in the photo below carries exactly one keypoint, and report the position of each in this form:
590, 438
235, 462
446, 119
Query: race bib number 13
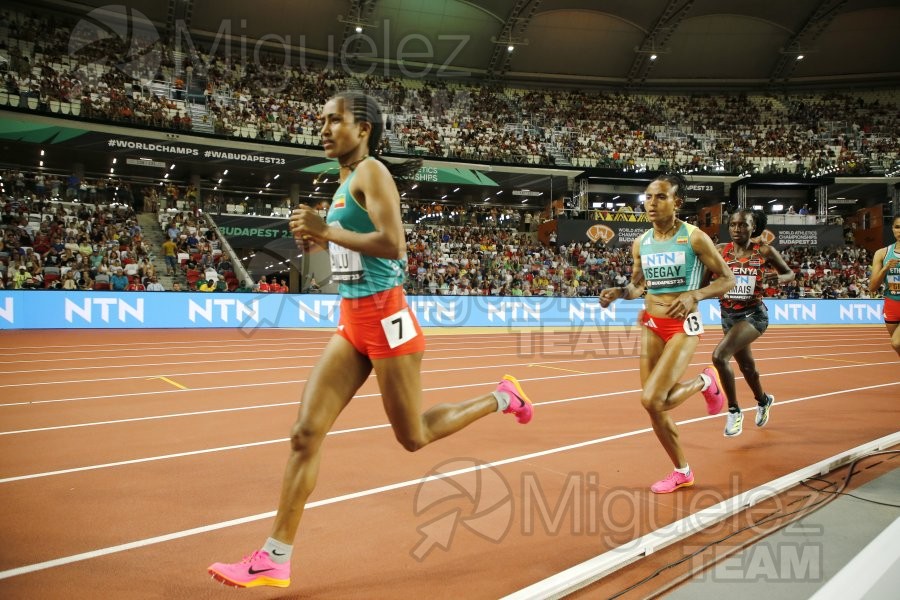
399, 328
693, 324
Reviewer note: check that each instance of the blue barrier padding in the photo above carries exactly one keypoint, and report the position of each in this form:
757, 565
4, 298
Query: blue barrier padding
35, 309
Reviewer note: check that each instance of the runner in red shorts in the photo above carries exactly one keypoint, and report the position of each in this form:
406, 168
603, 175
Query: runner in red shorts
377, 331
886, 270
669, 262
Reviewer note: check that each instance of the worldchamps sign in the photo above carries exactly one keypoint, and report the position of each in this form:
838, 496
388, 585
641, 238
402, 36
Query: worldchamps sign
617, 234
81, 138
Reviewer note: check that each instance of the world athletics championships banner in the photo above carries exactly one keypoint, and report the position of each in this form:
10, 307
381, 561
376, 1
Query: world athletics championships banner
254, 232
614, 234
126, 310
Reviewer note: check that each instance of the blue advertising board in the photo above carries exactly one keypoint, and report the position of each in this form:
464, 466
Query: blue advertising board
125, 310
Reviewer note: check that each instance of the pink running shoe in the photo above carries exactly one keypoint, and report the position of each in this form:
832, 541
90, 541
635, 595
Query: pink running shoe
519, 404
671, 483
254, 570
714, 396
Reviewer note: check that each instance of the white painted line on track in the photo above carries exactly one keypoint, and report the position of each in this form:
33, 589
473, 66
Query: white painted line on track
295, 381
469, 368
337, 432
58, 562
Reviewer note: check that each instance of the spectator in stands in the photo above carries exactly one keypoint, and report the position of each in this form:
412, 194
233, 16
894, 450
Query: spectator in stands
118, 282
155, 285
68, 281
135, 285
207, 286
263, 285
20, 278
170, 252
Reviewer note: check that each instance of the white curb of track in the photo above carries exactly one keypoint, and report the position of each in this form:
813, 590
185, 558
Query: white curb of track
586, 573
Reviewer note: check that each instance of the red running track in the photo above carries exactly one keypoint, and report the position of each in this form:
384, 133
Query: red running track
131, 460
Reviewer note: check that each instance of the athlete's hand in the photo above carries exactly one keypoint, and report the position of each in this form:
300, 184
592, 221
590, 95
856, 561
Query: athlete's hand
892, 263
610, 295
770, 276
682, 306
307, 226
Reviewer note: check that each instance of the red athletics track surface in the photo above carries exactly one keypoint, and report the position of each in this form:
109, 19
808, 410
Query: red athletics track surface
116, 483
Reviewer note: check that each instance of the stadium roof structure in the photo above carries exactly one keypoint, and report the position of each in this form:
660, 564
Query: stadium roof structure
712, 44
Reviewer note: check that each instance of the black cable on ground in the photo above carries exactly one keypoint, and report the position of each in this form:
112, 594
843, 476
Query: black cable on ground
805, 510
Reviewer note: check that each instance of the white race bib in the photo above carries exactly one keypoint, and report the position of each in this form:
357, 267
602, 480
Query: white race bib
346, 265
693, 324
399, 328
893, 283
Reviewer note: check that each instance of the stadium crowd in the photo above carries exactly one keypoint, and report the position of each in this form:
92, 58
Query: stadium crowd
498, 261
89, 238
845, 132
91, 242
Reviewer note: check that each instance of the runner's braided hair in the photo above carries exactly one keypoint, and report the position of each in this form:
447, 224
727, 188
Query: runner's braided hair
677, 180
367, 109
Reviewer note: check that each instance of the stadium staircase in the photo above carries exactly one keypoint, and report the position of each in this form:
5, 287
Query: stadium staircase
154, 237
397, 146
200, 120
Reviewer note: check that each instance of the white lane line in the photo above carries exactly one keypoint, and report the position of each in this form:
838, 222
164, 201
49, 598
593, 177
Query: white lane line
268, 369
571, 350
361, 494
295, 381
136, 461
224, 410
324, 336
576, 336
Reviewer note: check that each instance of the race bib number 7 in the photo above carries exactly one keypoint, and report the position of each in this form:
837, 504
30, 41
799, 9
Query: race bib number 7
399, 328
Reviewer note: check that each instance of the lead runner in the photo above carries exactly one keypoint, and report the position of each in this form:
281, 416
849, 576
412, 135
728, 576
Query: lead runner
377, 331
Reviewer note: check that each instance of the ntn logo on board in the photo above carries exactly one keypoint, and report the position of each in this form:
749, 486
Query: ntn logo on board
318, 310
796, 311
593, 311
91, 306
514, 310
862, 312
7, 311
226, 308
432, 311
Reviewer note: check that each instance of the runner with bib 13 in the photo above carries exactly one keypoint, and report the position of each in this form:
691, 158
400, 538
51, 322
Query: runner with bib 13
669, 263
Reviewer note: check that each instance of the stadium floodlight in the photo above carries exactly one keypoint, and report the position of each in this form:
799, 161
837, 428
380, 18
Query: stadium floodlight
510, 42
358, 23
